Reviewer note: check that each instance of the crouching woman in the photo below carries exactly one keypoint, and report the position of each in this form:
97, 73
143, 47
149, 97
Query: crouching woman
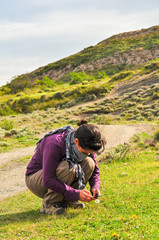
63, 163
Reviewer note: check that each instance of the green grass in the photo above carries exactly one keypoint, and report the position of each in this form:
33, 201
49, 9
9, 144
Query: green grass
29, 127
8, 144
128, 208
58, 96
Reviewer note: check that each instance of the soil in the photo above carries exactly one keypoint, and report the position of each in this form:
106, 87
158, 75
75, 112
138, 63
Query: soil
12, 172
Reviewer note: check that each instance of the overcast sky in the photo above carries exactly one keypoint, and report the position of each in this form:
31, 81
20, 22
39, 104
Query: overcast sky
34, 33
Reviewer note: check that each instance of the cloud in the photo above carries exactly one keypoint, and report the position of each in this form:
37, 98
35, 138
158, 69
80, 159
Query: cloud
39, 32
79, 24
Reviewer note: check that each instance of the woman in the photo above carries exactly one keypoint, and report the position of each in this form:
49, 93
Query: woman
63, 163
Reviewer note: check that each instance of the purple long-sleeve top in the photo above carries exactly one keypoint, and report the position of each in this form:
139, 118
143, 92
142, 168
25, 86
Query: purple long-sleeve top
47, 157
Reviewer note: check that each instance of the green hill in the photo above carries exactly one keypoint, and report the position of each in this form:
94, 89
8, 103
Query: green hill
119, 52
88, 75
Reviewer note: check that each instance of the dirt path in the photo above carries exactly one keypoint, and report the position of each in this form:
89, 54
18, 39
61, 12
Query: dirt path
12, 173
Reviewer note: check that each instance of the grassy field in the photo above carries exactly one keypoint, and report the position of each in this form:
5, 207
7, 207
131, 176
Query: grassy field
128, 208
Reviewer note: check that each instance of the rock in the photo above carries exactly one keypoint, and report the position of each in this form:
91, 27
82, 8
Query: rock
125, 164
157, 158
124, 174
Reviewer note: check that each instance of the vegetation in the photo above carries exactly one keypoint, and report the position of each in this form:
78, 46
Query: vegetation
156, 135
85, 88
127, 209
82, 85
89, 75
91, 60
7, 124
139, 105
65, 104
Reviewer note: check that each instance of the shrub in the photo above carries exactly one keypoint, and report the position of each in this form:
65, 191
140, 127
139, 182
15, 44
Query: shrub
119, 153
102, 119
5, 110
141, 145
19, 133
4, 144
79, 77
46, 81
102, 75
152, 66
7, 124
117, 118
58, 95
11, 132
135, 138
156, 135
121, 76
150, 118
2, 133
155, 96
19, 83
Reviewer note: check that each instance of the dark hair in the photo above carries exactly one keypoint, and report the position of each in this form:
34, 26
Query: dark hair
89, 136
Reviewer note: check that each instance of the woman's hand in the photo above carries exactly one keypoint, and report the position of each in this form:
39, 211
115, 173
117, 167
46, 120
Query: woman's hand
85, 196
95, 191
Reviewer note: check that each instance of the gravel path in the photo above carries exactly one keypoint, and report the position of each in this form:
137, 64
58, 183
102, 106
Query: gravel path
12, 174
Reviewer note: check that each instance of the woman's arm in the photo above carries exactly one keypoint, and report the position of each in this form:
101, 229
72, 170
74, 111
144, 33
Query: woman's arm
94, 180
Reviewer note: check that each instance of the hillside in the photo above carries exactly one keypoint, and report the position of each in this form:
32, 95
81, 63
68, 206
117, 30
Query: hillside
117, 53
120, 65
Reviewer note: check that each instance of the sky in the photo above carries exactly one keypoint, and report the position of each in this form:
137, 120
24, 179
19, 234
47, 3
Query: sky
34, 33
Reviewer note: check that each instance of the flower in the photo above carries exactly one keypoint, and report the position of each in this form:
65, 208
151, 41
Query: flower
121, 218
97, 201
134, 216
114, 234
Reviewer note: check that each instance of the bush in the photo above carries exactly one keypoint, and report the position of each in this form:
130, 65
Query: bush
135, 138
121, 76
2, 133
102, 119
7, 124
19, 83
119, 153
46, 81
4, 144
156, 136
79, 77
152, 66
5, 110
11, 132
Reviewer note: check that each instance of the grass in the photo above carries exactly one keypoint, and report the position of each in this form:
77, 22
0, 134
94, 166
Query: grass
118, 44
28, 128
128, 208
7, 144
84, 89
